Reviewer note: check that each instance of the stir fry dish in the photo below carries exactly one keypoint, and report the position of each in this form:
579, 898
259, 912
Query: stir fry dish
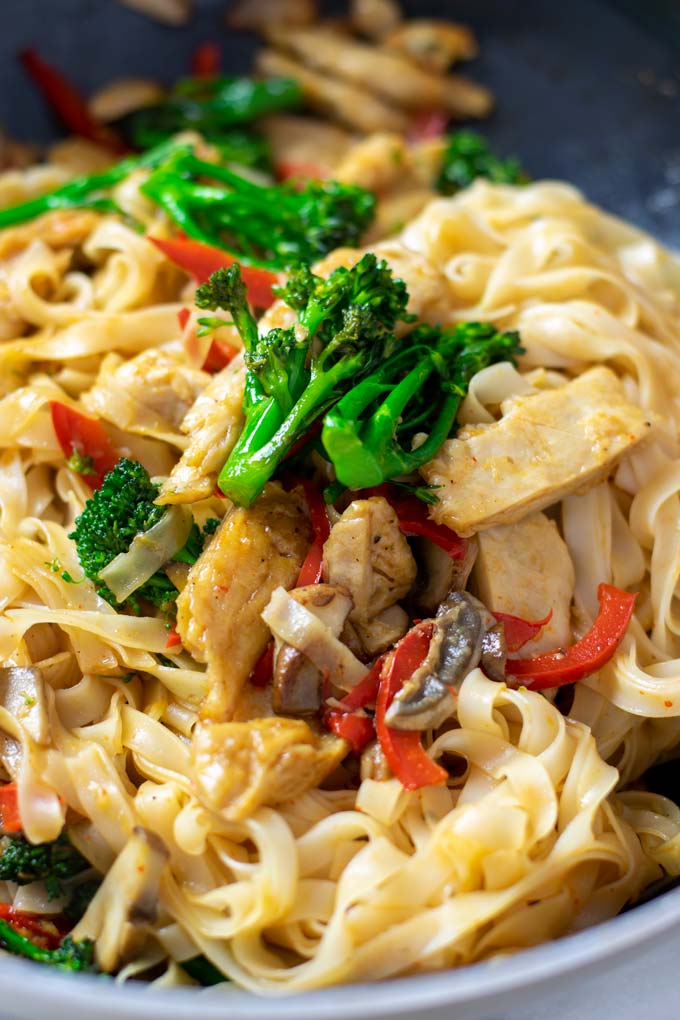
339, 524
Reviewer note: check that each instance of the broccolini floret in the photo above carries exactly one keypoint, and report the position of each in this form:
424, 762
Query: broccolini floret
23, 862
274, 226
467, 156
370, 434
122, 508
69, 956
345, 327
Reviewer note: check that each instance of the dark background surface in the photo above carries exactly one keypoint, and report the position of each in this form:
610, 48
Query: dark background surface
587, 90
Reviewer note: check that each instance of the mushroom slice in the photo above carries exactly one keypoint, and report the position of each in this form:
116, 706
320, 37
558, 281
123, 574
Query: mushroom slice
439, 573
297, 680
123, 96
465, 634
126, 904
257, 14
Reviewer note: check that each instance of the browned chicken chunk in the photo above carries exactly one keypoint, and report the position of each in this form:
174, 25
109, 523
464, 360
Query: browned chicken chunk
239, 766
218, 613
367, 555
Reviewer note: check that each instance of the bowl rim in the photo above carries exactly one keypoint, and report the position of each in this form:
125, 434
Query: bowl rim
479, 983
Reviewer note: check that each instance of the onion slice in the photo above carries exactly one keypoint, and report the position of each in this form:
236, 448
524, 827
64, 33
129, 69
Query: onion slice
148, 551
297, 626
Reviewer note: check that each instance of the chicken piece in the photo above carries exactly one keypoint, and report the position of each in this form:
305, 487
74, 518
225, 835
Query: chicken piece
545, 446
169, 12
525, 569
305, 145
240, 766
386, 73
254, 551
257, 14
214, 424
375, 162
396, 207
352, 106
367, 555
62, 228
16, 155
123, 96
374, 18
433, 44
150, 394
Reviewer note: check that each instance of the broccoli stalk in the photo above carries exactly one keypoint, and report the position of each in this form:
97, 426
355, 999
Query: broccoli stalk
88, 192
273, 226
69, 956
467, 156
345, 326
369, 434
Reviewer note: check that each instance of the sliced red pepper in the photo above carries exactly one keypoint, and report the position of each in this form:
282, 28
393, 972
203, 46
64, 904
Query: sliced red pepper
201, 261
174, 638
220, 353
312, 568
566, 666
343, 719
403, 749
205, 60
10, 819
414, 520
426, 125
264, 667
32, 925
357, 730
67, 103
77, 433
519, 631
290, 170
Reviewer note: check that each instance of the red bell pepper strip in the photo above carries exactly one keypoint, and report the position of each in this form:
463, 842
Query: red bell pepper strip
403, 749
566, 666
32, 925
519, 631
264, 667
78, 434
311, 570
357, 730
201, 261
173, 638
67, 103
343, 719
426, 125
10, 819
220, 353
205, 60
286, 171
414, 520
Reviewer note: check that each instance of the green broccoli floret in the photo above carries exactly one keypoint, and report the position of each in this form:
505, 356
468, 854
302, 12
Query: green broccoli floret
369, 434
24, 862
345, 327
122, 508
276, 226
468, 156
69, 956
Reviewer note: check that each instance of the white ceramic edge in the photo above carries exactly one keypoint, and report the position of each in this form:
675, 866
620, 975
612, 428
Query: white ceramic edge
27, 990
